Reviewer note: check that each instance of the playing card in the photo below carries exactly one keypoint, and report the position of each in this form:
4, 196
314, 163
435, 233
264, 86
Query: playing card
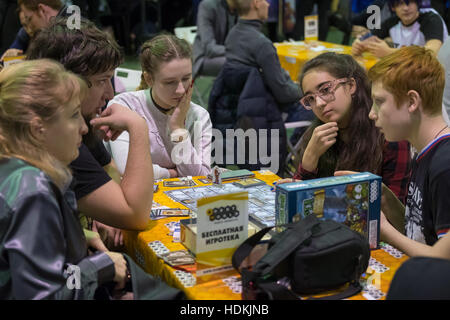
247, 183
179, 183
165, 213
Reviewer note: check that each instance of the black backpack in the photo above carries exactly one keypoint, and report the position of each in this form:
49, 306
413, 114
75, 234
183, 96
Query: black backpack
308, 257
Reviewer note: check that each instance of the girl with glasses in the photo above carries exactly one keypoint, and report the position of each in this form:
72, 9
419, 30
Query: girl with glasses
342, 137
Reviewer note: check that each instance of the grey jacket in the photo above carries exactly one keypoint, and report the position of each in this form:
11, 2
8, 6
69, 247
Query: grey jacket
40, 237
214, 21
248, 45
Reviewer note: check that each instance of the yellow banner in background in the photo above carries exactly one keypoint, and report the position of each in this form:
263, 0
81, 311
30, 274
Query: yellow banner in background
311, 28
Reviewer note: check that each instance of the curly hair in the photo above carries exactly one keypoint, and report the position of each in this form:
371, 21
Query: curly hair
363, 152
85, 51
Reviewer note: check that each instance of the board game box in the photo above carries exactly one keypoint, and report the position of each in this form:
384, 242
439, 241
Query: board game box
354, 200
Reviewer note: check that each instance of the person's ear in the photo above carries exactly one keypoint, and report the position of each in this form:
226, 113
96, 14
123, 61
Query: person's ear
41, 9
37, 129
353, 86
148, 78
414, 101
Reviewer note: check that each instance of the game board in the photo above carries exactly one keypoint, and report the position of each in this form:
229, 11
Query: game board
261, 204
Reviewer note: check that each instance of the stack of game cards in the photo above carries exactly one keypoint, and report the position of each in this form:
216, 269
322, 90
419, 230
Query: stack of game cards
248, 183
177, 258
157, 214
179, 183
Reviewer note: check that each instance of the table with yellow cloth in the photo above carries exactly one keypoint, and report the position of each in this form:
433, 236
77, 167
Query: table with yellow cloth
293, 55
137, 247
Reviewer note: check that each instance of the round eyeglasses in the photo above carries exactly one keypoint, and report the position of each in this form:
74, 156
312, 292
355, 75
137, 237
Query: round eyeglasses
325, 92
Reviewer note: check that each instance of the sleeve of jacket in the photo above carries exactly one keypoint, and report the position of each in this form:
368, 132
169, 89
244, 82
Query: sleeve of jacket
206, 19
21, 41
275, 77
36, 250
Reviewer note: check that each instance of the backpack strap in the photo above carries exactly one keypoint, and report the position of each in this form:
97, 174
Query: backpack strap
353, 288
291, 239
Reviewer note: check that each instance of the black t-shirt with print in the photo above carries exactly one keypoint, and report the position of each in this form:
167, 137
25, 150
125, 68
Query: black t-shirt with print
430, 26
87, 169
428, 200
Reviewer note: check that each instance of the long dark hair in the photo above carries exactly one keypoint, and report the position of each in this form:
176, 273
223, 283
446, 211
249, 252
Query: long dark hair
363, 151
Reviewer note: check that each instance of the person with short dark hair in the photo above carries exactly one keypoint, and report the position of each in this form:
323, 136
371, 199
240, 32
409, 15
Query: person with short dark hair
410, 26
37, 14
93, 55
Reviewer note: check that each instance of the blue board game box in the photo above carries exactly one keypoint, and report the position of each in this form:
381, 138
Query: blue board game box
354, 200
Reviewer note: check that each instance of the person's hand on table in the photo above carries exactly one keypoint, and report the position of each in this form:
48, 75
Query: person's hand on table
94, 241
358, 31
379, 48
358, 47
281, 181
11, 53
173, 173
385, 227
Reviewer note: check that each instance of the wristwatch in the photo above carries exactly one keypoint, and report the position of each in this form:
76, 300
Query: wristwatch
179, 135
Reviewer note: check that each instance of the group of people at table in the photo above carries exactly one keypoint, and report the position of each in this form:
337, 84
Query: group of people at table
53, 161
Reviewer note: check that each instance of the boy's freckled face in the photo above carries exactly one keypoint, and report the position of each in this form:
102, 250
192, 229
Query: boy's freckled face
392, 119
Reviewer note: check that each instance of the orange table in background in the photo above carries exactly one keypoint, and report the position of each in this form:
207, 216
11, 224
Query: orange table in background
137, 247
293, 55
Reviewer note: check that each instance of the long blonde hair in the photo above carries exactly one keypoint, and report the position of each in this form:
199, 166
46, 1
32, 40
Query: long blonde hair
35, 89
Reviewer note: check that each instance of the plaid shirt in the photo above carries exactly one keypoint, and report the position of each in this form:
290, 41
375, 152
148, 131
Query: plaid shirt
395, 171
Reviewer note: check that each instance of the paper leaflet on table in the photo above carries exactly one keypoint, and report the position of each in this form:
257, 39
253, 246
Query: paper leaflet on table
222, 225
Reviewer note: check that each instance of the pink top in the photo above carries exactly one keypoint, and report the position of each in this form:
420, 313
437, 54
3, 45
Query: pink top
191, 157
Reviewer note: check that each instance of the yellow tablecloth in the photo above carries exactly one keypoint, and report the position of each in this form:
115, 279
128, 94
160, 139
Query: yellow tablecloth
294, 55
136, 244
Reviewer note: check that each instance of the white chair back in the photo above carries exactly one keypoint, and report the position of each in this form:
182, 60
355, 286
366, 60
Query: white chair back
186, 33
126, 79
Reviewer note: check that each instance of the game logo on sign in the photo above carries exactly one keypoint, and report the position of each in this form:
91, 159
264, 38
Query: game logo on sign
353, 200
222, 225
311, 28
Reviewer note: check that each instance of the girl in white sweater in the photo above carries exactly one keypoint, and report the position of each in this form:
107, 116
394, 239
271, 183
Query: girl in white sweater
180, 131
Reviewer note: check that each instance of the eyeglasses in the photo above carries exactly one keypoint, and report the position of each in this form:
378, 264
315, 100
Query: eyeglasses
325, 92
